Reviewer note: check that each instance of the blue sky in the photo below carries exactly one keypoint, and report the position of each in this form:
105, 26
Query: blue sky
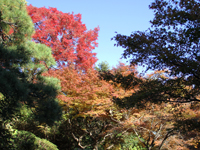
111, 16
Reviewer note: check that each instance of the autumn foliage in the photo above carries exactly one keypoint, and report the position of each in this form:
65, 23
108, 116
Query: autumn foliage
86, 95
68, 37
102, 108
84, 91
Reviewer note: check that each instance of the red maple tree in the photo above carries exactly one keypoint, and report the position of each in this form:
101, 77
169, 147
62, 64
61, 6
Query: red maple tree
68, 37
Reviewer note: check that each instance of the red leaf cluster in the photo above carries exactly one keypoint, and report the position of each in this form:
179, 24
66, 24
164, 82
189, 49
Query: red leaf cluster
68, 37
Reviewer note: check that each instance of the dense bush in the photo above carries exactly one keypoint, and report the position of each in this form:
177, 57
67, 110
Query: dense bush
24, 140
131, 142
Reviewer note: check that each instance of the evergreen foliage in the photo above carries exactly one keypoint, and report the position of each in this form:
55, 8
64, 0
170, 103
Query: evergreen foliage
21, 64
102, 67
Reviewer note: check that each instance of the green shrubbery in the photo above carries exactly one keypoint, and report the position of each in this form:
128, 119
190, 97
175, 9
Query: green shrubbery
131, 142
26, 140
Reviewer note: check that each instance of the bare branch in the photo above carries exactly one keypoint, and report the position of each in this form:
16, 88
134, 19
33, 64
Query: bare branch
169, 133
157, 135
139, 137
79, 141
104, 138
111, 146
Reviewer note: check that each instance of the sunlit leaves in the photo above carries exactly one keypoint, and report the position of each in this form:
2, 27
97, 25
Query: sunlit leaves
68, 37
84, 91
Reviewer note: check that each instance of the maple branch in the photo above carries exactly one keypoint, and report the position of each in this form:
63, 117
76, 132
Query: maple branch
119, 122
139, 137
111, 146
150, 129
79, 141
186, 101
104, 138
169, 133
157, 135
182, 65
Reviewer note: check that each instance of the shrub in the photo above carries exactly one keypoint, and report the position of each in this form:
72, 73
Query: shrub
24, 140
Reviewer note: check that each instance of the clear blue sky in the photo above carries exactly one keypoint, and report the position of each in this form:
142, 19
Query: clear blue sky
111, 16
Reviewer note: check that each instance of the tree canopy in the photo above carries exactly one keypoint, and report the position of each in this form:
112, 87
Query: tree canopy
68, 37
171, 43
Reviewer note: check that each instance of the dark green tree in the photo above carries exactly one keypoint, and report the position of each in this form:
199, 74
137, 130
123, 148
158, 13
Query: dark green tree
22, 63
171, 43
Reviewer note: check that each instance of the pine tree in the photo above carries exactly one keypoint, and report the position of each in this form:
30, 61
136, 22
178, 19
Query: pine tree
21, 64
